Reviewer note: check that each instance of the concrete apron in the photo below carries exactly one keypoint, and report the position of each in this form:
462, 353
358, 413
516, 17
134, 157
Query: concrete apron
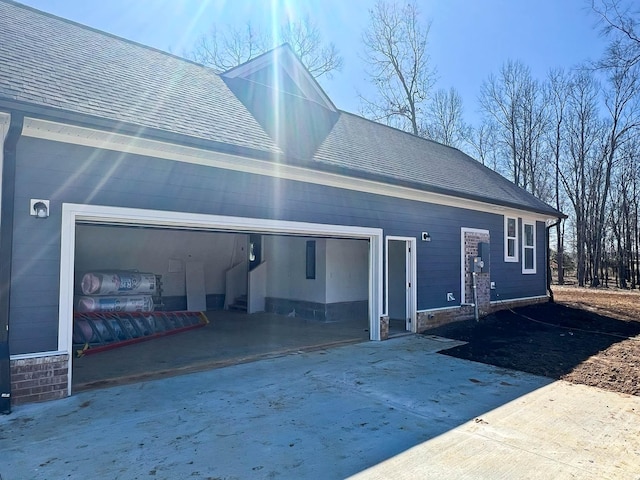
392, 409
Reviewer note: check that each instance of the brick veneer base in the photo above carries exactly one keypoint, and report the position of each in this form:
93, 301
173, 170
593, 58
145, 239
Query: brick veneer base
36, 379
436, 318
384, 327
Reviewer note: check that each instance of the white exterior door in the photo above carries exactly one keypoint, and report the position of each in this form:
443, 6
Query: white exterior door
400, 281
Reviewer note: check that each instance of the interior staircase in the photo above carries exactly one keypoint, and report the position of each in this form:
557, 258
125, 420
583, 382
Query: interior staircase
239, 304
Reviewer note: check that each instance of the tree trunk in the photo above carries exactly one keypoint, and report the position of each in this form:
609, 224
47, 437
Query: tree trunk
560, 254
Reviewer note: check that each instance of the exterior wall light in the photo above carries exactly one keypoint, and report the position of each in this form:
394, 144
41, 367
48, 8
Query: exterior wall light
39, 208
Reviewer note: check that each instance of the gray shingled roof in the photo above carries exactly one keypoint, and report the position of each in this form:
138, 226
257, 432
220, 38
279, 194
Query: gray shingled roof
361, 144
51, 62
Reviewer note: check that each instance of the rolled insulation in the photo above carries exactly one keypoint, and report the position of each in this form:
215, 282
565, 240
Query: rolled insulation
118, 283
131, 303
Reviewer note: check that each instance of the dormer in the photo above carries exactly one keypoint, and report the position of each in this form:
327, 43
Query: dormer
282, 70
285, 99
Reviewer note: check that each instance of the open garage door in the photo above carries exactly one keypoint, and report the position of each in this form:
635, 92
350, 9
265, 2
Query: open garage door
267, 287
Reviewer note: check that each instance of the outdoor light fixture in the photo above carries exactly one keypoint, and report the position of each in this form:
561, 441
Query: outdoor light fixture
39, 208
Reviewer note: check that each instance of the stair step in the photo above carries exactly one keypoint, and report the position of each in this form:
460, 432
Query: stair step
240, 303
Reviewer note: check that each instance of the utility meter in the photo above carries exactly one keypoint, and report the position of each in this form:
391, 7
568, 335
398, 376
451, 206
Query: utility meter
477, 264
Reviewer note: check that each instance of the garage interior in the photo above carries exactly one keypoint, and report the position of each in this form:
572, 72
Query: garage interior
263, 295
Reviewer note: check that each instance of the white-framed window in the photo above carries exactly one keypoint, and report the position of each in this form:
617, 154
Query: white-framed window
528, 247
510, 239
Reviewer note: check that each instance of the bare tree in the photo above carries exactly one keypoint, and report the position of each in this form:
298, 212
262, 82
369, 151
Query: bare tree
535, 157
556, 98
622, 102
444, 121
623, 215
398, 65
499, 100
621, 67
513, 103
305, 39
584, 131
482, 141
223, 50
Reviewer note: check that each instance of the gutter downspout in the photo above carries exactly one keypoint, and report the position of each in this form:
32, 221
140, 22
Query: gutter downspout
6, 245
548, 228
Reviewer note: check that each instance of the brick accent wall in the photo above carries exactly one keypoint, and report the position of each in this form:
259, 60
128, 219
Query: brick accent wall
483, 280
38, 379
435, 318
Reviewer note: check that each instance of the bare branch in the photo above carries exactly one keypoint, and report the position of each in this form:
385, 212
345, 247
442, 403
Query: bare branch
223, 50
305, 40
444, 121
620, 23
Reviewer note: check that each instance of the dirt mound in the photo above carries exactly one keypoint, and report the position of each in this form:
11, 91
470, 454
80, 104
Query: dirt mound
587, 336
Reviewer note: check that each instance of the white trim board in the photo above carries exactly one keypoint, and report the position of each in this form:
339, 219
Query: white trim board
74, 213
27, 356
519, 299
439, 309
5, 122
533, 270
88, 137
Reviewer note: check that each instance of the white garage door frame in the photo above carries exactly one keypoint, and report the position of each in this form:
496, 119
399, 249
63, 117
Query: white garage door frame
72, 214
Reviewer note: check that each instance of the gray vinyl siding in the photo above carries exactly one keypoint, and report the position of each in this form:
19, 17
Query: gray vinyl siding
73, 174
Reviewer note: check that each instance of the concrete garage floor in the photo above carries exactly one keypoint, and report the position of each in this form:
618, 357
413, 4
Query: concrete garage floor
230, 337
374, 410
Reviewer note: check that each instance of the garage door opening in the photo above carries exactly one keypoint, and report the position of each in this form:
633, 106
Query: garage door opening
265, 291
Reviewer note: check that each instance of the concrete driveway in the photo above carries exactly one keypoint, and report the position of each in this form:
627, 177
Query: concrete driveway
375, 410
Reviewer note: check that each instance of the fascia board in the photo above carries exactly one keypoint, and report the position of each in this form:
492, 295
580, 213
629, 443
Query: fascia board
89, 137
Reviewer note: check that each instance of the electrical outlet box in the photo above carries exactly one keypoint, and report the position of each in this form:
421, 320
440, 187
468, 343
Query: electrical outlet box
450, 297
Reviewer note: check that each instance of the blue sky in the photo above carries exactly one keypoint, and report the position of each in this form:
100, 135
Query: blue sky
470, 39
